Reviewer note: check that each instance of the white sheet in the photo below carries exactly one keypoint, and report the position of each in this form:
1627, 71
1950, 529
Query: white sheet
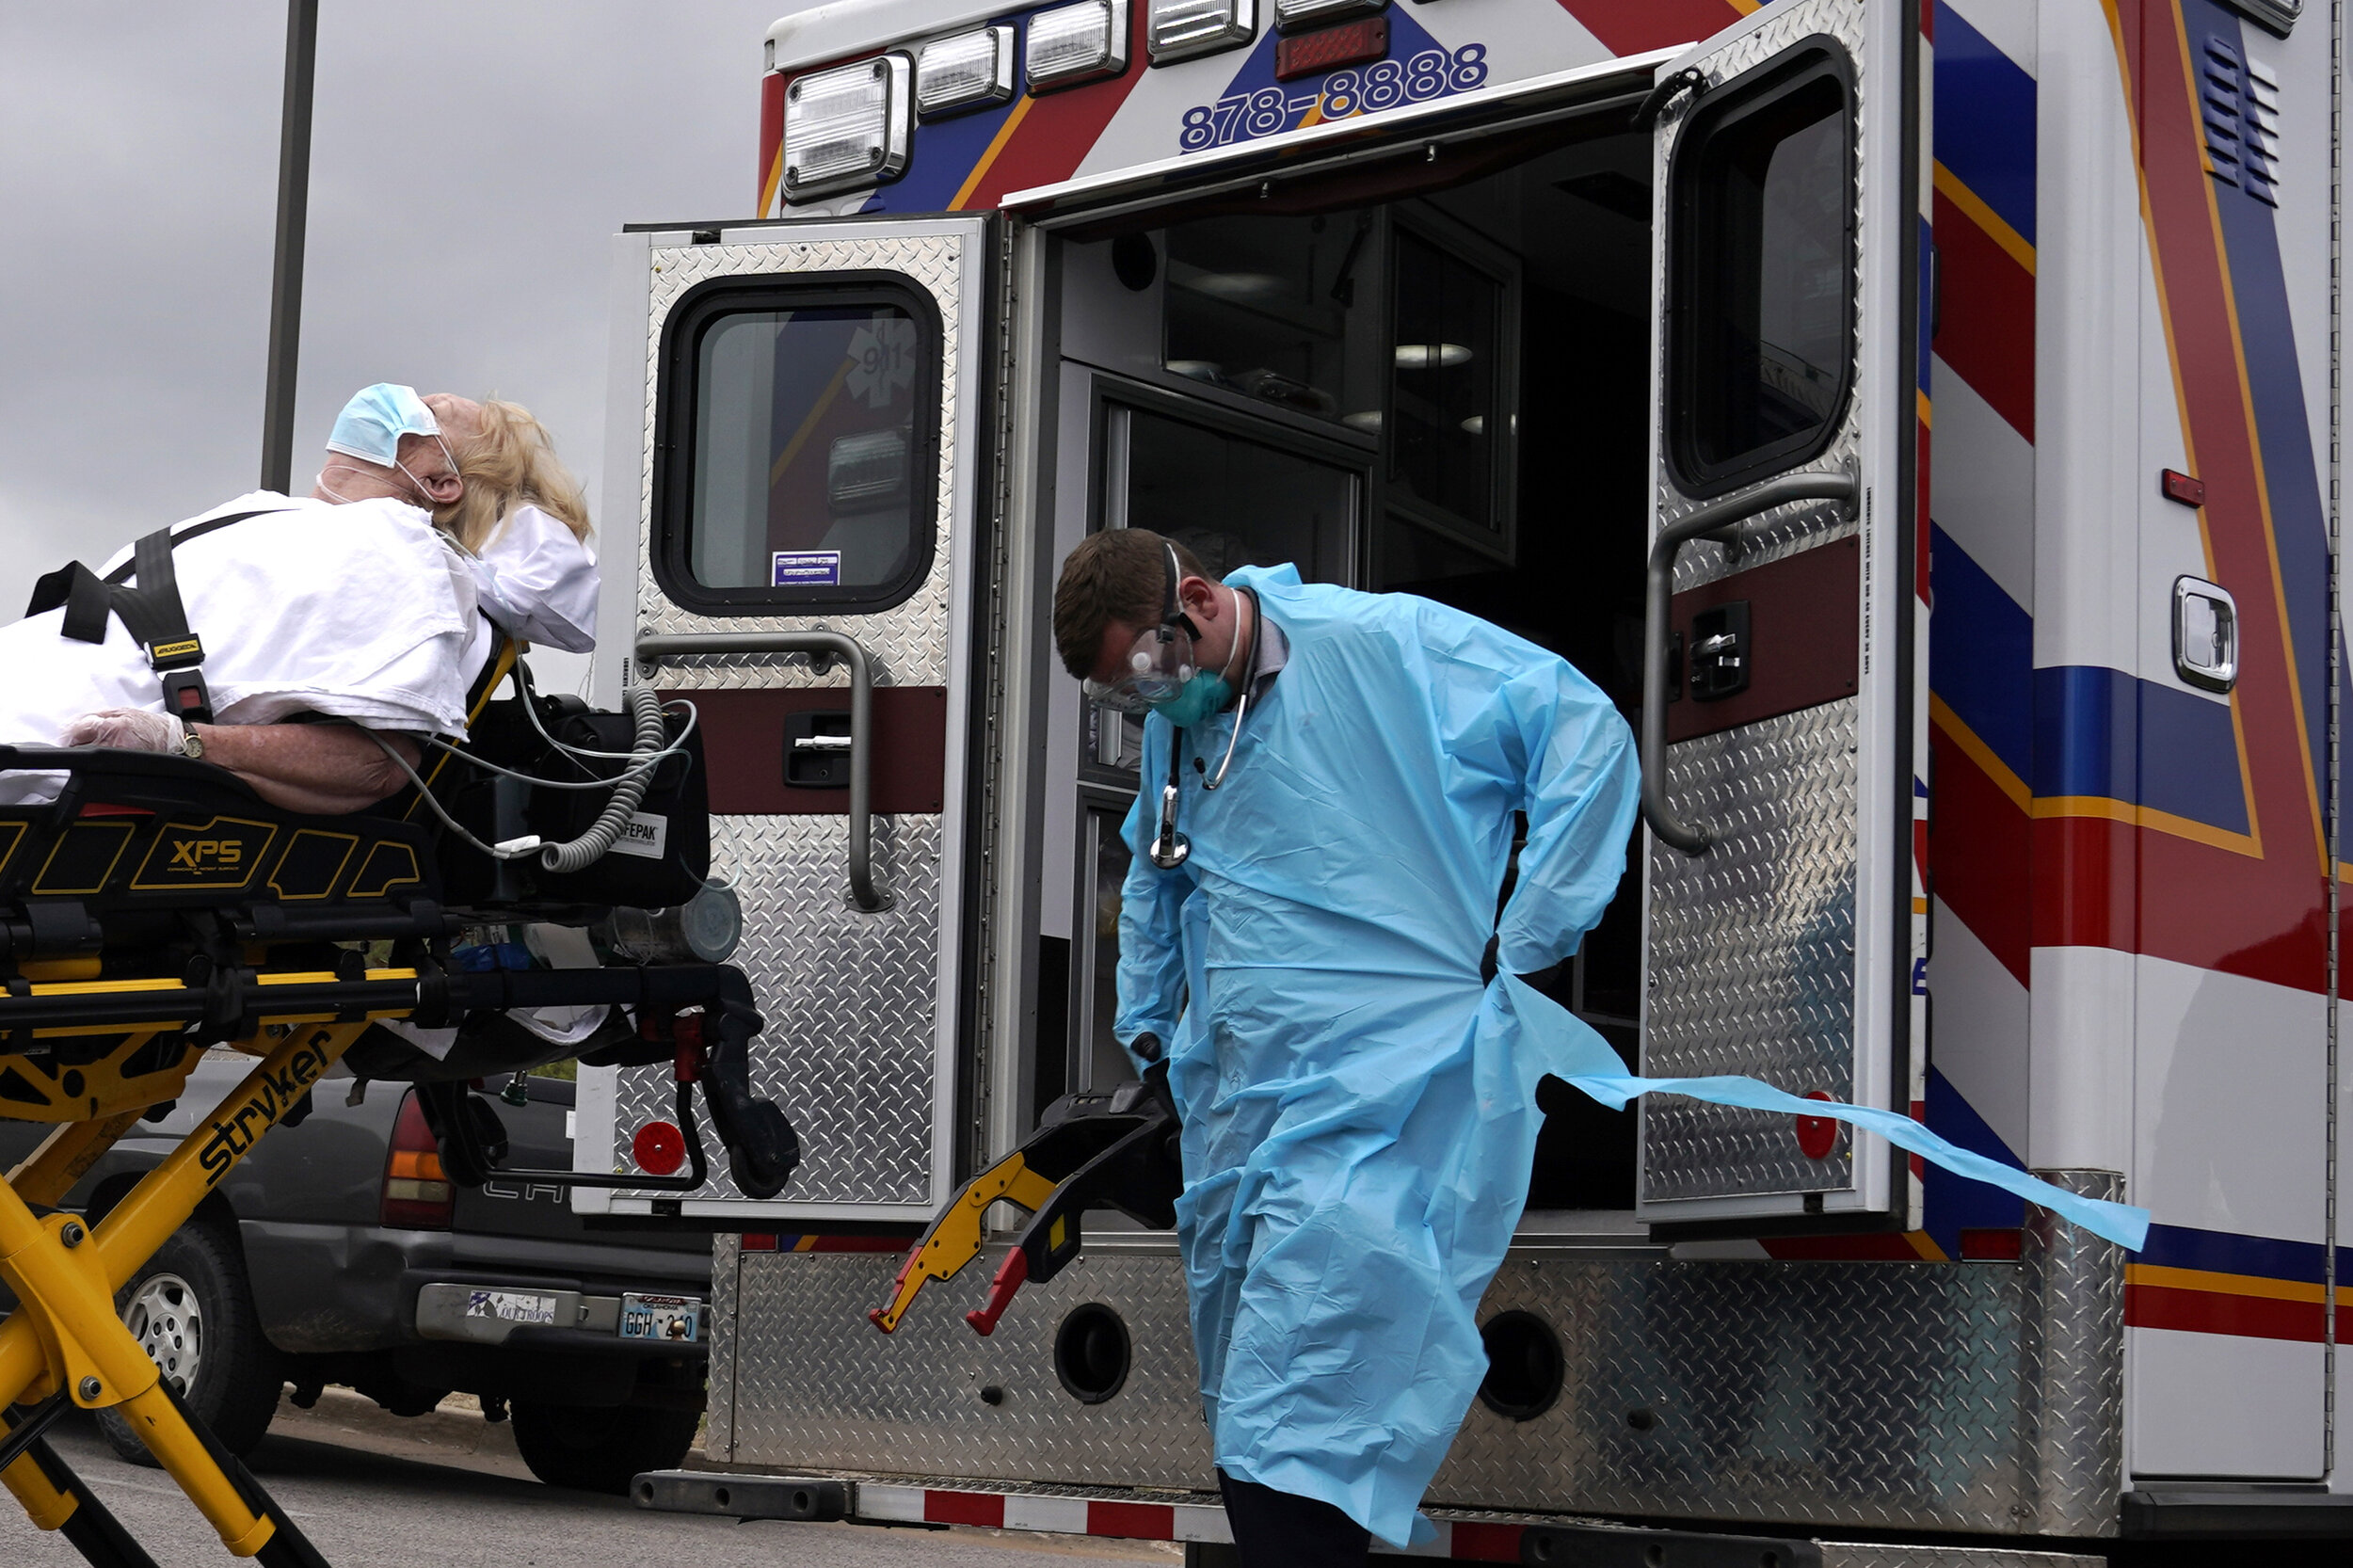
537, 579
359, 612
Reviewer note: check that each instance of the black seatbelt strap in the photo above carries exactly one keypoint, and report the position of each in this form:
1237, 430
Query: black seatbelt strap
151, 612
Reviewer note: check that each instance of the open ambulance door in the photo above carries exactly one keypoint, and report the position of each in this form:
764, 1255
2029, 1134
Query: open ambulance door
798, 418
1784, 662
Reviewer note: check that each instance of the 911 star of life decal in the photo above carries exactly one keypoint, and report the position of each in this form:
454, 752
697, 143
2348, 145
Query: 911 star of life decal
1384, 85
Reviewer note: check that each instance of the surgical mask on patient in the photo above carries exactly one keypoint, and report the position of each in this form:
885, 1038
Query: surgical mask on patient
376, 417
371, 426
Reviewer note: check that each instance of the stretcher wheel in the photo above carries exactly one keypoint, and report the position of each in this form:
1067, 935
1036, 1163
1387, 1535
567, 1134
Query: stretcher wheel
191, 1307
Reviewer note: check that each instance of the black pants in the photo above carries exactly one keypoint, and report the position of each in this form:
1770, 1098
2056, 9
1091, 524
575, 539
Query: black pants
1278, 1530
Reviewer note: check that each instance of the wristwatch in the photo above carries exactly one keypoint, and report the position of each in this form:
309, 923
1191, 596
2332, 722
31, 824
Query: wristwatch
191, 744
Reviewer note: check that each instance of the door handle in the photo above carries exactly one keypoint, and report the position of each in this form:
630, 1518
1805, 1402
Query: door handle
1717, 518
652, 650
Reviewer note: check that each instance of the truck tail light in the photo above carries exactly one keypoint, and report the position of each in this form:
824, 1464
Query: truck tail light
417, 1192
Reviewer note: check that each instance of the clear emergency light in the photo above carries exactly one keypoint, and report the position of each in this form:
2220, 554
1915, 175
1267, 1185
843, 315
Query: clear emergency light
847, 127
1183, 28
968, 70
1077, 43
1290, 14
866, 470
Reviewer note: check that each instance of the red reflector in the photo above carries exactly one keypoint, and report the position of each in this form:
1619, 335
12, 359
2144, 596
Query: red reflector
1991, 1246
2177, 486
1329, 48
659, 1148
1816, 1135
758, 1240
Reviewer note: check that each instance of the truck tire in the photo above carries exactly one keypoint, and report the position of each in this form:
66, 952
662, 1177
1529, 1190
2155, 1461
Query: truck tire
599, 1449
190, 1306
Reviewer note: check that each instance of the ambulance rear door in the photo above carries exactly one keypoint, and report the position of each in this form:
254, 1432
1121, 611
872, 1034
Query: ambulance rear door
1785, 665
798, 438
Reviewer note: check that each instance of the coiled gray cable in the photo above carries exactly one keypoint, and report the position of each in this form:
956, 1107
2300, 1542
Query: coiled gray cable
645, 706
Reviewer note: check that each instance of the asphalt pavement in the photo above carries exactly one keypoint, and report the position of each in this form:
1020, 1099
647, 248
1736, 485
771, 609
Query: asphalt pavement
447, 1489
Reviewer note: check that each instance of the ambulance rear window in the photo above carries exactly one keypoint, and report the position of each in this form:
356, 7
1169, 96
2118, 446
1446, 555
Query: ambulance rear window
1762, 206
798, 466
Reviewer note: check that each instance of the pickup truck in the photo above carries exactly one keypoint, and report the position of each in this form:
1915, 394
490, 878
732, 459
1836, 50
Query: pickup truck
338, 1252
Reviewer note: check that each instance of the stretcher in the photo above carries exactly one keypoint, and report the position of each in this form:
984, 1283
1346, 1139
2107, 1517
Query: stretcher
158, 906
1112, 1150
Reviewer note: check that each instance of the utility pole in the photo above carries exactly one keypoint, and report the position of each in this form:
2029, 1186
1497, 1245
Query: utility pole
293, 206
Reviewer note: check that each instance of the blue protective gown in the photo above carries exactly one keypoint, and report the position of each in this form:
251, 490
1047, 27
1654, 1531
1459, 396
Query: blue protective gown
1359, 1110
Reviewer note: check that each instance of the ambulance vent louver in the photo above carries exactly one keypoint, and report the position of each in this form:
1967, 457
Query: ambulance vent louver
2239, 100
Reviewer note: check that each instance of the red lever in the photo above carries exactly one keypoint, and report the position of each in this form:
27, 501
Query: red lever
1011, 1275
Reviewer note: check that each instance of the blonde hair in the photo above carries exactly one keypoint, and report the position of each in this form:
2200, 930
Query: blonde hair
511, 462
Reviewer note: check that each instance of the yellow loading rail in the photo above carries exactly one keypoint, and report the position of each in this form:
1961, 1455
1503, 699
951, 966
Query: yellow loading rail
1115, 1150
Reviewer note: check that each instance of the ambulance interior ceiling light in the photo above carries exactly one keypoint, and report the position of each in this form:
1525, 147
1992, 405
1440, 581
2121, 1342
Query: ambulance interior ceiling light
1235, 286
1291, 14
967, 70
847, 127
1071, 44
1183, 28
1427, 356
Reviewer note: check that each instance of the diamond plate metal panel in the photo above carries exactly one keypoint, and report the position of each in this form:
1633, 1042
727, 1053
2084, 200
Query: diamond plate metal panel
719, 1375
1791, 529
1752, 954
849, 1000
1751, 945
1862, 1395
1878, 1554
908, 643
816, 1386
2075, 1366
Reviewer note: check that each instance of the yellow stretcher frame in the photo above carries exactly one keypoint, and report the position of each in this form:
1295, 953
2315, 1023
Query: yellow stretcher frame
66, 1339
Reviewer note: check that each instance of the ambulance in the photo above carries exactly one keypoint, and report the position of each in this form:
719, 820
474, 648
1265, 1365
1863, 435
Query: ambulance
1920, 416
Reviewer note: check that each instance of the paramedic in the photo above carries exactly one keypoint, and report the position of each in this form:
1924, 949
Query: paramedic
487, 474
1307, 935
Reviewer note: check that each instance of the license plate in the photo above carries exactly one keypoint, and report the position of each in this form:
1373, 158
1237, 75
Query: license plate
675, 1318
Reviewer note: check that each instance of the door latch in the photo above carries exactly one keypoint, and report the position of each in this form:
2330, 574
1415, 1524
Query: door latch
1720, 651
816, 750
2205, 634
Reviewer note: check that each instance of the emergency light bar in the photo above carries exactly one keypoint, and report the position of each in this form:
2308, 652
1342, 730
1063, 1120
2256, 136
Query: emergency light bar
1181, 29
847, 127
968, 70
1294, 14
1077, 43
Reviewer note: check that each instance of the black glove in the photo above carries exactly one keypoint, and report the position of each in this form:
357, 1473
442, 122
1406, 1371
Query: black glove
1487, 961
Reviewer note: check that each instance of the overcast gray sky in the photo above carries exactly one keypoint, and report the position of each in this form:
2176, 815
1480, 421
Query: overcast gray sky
469, 160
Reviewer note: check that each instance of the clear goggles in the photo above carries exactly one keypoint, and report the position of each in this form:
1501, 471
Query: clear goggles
1159, 663
1159, 666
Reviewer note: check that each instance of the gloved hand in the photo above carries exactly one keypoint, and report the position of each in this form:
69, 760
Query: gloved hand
125, 729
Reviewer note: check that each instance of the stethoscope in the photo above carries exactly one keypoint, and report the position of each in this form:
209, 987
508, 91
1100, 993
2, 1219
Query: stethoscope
1170, 848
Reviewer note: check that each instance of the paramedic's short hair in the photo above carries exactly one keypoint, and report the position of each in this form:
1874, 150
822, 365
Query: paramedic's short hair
1120, 574
510, 462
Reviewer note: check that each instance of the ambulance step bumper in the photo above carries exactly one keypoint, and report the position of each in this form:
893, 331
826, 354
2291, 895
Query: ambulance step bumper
1139, 1515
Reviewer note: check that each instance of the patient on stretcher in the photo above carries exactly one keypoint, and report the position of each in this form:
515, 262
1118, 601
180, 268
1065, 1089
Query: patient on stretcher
377, 601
